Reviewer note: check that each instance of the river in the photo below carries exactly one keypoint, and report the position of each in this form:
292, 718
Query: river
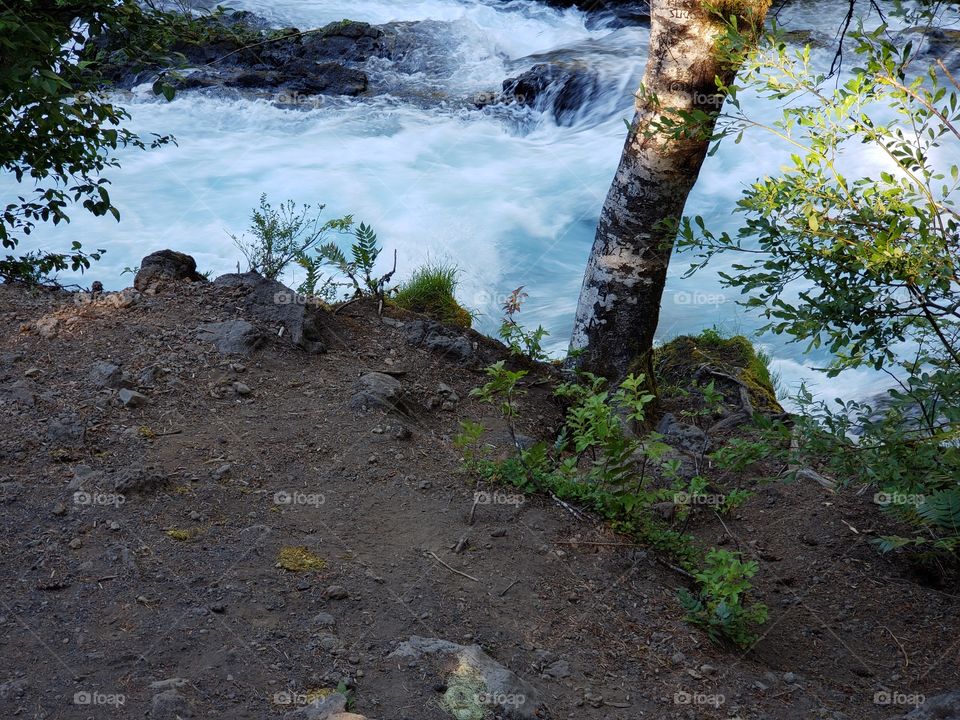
511, 198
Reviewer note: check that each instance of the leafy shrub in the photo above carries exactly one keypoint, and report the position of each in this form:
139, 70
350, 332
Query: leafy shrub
284, 235
596, 463
880, 254
523, 342
59, 132
718, 606
431, 290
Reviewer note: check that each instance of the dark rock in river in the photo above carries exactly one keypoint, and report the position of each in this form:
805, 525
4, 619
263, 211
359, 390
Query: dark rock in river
560, 88
239, 51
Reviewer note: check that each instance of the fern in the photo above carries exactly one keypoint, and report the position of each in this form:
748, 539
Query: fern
365, 250
942, 509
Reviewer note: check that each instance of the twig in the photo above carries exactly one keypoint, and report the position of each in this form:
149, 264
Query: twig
453, 570
507, 588
473, 510
676, 569
906, 658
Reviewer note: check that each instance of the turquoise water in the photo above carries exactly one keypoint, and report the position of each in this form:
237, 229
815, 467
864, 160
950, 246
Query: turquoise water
511, 199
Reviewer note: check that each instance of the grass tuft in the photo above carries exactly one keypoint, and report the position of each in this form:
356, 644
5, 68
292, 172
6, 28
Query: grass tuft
431, 291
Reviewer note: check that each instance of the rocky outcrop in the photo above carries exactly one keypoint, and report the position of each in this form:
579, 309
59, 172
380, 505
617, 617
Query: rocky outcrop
238, 50
274, 303
164, 267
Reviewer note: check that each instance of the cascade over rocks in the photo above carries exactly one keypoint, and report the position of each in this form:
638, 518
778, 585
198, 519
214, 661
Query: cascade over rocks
560, 88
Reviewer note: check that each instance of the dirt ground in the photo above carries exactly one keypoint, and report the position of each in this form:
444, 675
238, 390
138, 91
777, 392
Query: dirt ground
140, 545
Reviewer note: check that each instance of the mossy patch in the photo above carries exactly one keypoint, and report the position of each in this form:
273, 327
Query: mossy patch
677, 362
182, 534
465, 690
297, 558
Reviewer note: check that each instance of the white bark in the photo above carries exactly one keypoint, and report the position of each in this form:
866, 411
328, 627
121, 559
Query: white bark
623, 284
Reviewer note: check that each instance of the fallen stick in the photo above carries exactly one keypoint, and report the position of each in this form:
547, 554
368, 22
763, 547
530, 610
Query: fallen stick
453, 570
507, 588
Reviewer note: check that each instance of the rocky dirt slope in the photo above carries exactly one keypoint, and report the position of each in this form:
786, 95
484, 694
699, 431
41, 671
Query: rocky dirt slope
204, 516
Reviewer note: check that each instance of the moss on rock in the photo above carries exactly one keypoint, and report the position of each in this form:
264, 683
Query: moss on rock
677, 363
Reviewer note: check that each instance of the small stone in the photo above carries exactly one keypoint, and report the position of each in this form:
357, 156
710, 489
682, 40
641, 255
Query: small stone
403, 433
75, 544
424, 485
241, 388
558, 670
194, 515
324, 620
789, 677
32, 373
708, 669
335, 592
59, 509
114, 525
106, 375
678, 658
218, 608
498, 532
169, 705
131, 398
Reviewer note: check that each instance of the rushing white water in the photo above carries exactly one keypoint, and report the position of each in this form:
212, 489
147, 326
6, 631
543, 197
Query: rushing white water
511, 199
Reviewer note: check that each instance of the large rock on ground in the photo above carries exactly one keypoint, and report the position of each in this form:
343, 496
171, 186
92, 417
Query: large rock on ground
232, 337
476, 681
164, 267
273, 303
941, 707
439, 338
378, 390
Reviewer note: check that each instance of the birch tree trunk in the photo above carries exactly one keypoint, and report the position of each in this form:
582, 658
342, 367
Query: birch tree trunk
623, 285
